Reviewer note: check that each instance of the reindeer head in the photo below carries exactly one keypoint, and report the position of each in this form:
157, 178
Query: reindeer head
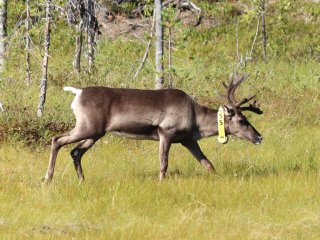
236, 123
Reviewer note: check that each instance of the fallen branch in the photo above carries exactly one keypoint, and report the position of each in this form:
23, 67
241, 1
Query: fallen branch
255, 38
146, 53
183, 4
248, 56
191, 6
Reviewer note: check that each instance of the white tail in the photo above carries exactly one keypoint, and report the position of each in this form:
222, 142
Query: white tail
73, 90
76, 91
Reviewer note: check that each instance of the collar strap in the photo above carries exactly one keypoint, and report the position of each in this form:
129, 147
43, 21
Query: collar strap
222, 138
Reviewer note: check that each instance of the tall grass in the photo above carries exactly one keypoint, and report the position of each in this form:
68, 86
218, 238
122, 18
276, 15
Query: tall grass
269, 191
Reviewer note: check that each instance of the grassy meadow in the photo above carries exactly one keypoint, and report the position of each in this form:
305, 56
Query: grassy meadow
265, 192
270, 191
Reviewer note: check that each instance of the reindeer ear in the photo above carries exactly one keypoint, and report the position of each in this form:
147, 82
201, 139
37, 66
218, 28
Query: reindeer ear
228, 111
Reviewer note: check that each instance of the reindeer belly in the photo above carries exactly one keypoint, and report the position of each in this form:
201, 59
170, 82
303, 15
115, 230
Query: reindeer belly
135, 129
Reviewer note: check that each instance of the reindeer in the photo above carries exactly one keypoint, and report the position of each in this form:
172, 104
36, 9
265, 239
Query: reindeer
168, 116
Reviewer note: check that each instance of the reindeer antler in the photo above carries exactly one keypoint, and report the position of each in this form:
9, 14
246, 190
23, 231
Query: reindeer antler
235, 81
253, 107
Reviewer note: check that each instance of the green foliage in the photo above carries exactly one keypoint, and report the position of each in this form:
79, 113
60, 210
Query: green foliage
127, 7
168, 15
224, 10
148, 8
202, 58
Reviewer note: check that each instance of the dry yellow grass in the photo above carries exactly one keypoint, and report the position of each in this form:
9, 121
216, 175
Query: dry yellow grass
265, 192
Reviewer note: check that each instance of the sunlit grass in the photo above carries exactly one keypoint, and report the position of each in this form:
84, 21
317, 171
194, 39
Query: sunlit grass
259, 192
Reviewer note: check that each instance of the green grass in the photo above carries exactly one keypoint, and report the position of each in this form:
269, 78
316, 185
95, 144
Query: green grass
269, 191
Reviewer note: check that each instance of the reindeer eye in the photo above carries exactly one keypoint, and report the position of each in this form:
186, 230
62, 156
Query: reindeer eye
242, 122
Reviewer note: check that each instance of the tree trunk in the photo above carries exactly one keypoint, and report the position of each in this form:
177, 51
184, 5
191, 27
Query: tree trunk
44, 80
159, 44
91, 33
3, 32
28, 78
170, 57
264, 32
77, 56
79, 38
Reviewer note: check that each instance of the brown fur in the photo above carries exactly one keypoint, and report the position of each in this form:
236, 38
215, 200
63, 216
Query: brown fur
168, 116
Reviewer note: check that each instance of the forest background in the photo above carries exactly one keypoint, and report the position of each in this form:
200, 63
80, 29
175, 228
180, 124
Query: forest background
269, 191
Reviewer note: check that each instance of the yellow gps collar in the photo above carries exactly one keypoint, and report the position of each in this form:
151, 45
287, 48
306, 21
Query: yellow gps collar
222, 138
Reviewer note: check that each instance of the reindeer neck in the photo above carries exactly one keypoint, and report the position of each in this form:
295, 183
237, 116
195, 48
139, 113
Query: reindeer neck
206, 119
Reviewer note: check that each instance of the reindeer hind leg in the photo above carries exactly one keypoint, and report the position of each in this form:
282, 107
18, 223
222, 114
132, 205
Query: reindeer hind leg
78, 152
60, 141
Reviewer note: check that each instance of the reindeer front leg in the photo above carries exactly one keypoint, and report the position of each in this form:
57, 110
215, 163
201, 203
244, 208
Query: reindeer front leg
164, 147
193, 147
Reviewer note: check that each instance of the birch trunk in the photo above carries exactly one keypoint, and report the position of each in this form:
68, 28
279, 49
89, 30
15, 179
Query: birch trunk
44, 80
159, 44
170, 56
79, 38
3, 32
77, 57
28, 78
91, 33
264, 31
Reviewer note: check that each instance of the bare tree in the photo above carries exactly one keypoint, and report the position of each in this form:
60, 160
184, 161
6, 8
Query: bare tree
28, 78
170, 15
260, 8
79, 38
170, 54
91, 32
159, 44
264, 31
242, 61
3, 31
146, 53
83, 12
44, 80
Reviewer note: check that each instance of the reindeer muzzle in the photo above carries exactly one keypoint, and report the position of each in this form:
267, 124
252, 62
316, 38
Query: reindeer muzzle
258, 140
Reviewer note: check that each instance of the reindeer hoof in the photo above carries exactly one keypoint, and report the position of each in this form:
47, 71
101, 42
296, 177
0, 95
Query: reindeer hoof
162, 176
81, 181
210, 168
47, 179
208, 165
